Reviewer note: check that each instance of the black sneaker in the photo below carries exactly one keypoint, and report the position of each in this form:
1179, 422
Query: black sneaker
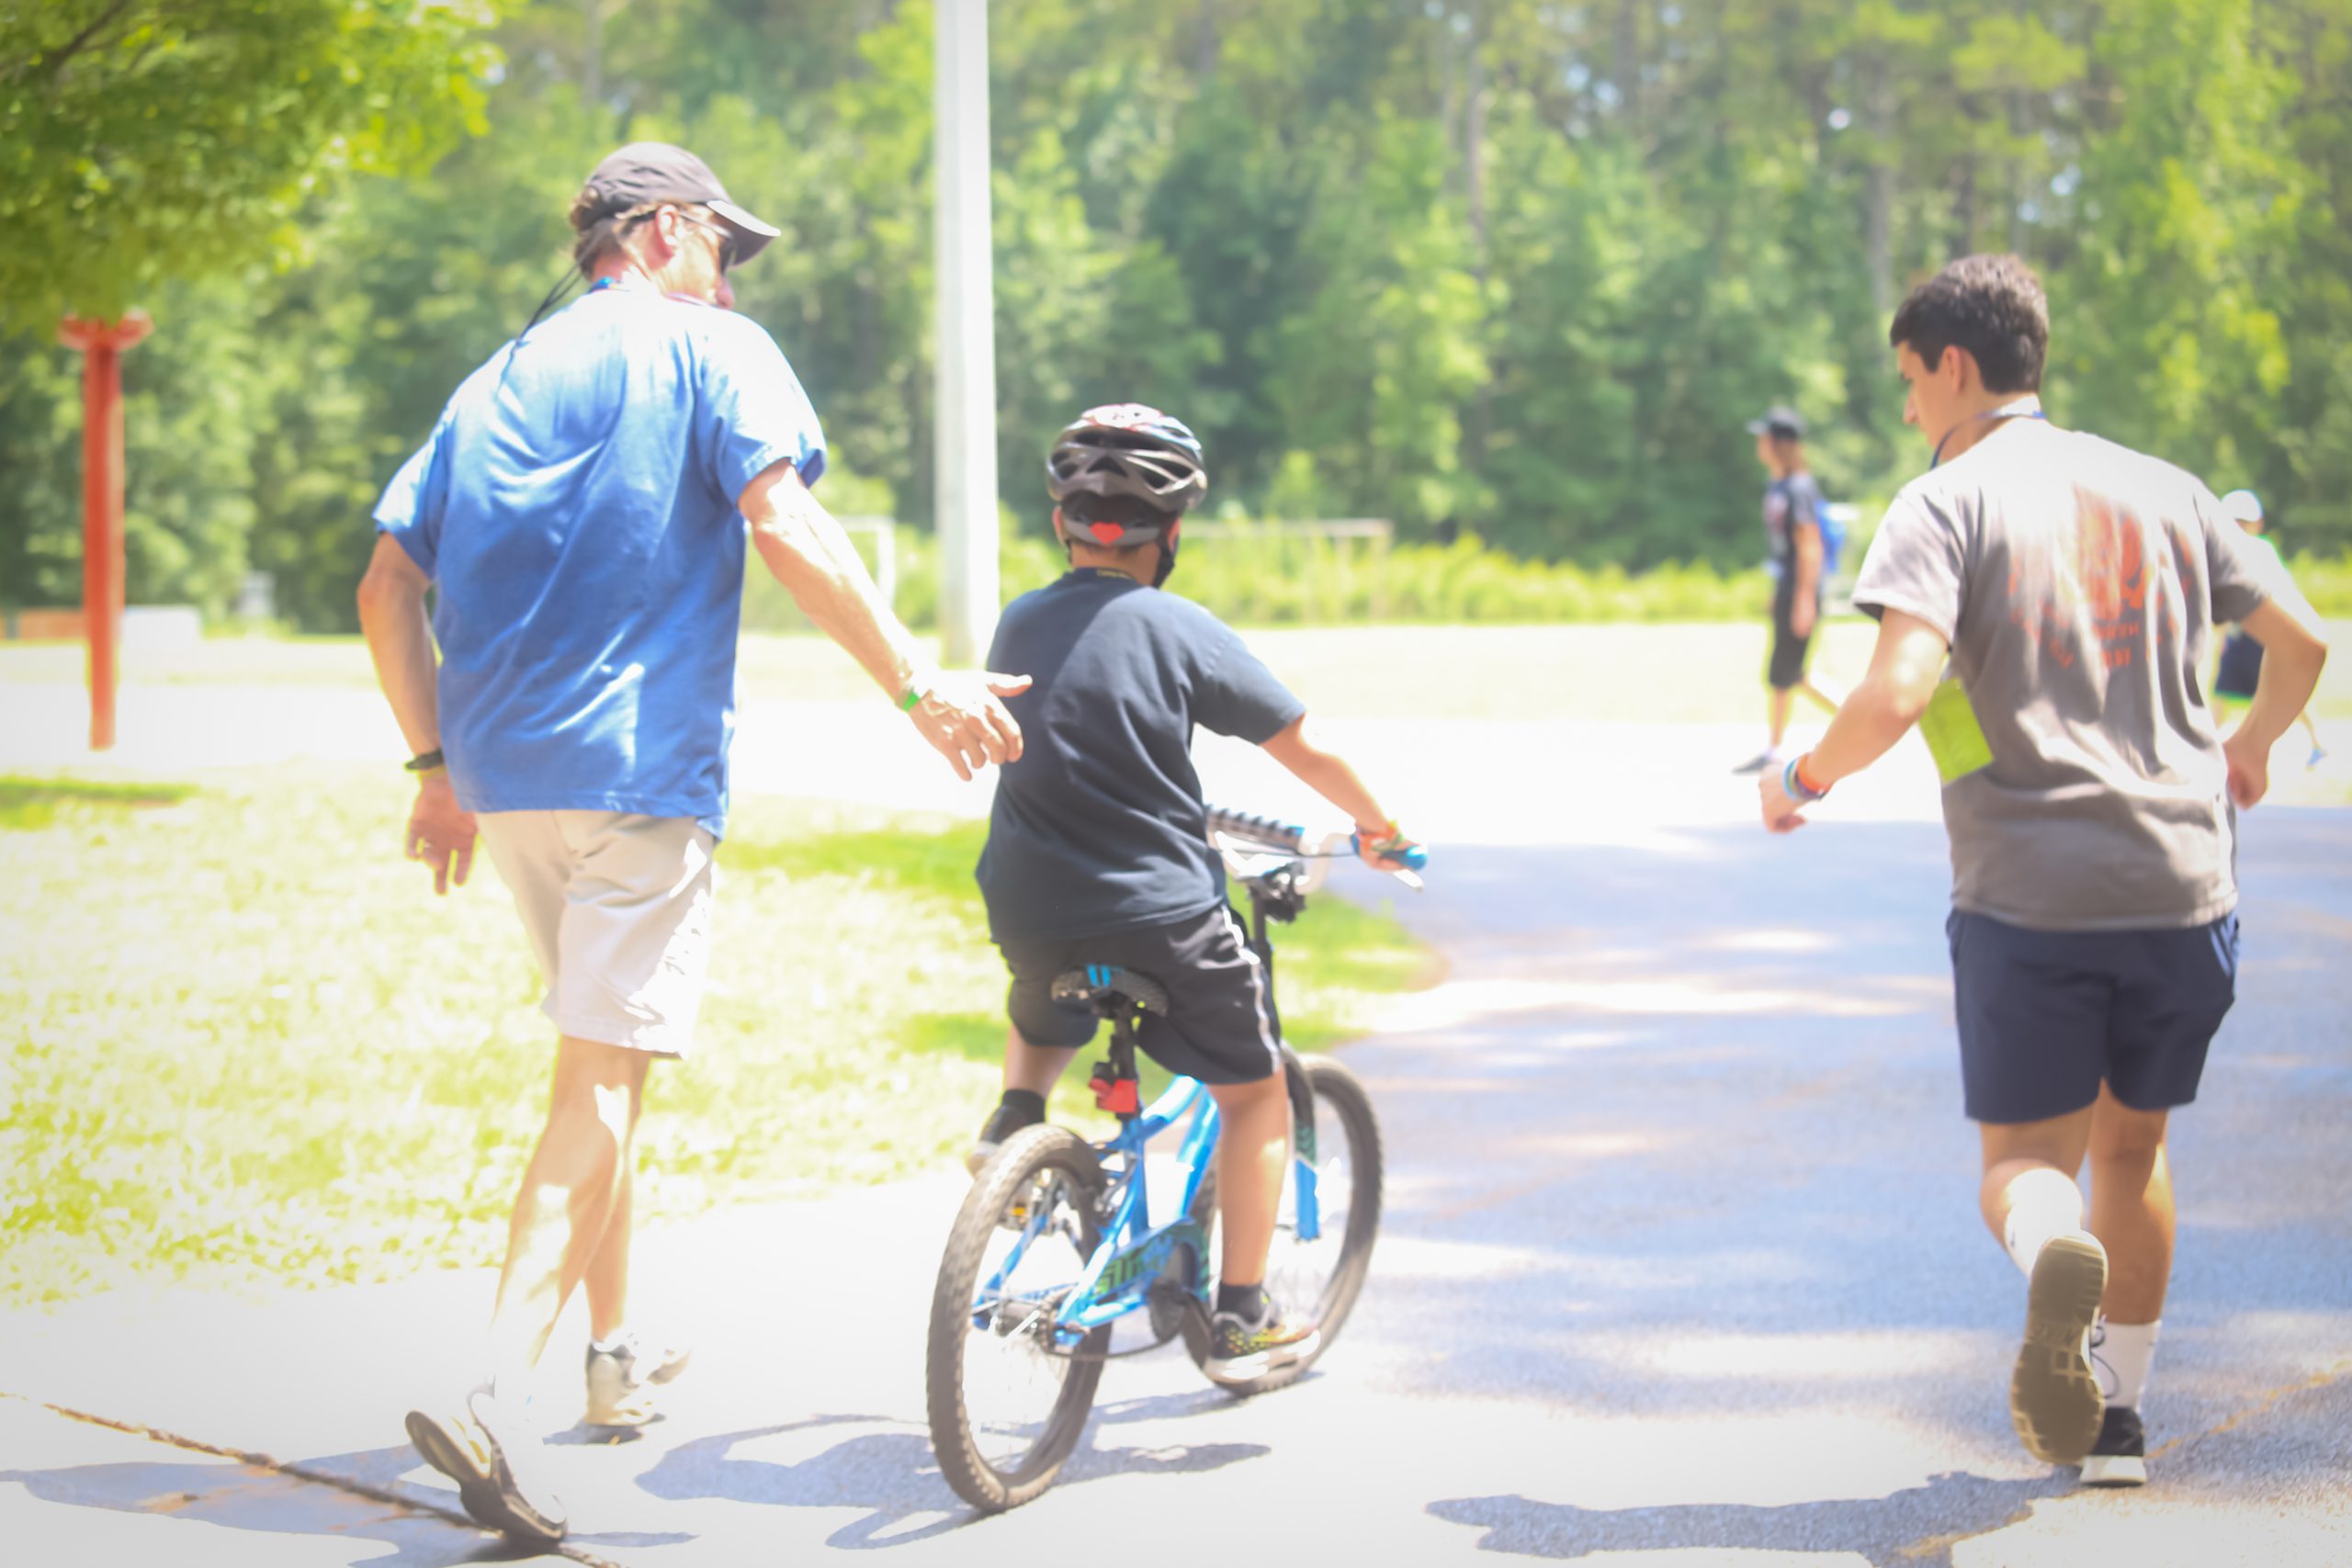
2055, 1397
2120, 1458
1242, 1352
1002, 1123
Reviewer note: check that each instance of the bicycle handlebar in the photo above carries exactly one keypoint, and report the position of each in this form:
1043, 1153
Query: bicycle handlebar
1252, 831
1287, 837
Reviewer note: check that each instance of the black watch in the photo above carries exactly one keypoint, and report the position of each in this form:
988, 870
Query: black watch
425, 762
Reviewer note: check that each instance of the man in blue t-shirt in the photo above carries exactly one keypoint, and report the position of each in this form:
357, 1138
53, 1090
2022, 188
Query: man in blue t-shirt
580, 511
1098, 848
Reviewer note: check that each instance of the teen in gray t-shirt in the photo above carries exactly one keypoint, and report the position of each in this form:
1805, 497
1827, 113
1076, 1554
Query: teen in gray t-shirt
2070, 586
2078, 583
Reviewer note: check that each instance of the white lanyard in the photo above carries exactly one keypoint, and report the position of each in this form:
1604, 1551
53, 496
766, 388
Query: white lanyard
2021, 408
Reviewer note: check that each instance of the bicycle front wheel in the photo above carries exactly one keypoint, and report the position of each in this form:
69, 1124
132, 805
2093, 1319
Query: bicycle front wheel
1323, 1274
1008, 1393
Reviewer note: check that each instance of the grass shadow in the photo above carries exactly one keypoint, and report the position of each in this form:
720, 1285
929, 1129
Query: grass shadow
27, 802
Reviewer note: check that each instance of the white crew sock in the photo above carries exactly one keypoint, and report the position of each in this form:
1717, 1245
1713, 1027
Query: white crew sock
2043, 1204
2120, 1355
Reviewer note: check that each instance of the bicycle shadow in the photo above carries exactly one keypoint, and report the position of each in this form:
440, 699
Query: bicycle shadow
1928, 1521
246, 1497
893, 1474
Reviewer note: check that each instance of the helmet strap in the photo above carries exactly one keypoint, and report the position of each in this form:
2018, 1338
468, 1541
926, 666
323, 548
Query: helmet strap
1167, 553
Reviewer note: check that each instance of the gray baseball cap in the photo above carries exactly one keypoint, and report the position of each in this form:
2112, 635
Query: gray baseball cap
1781, 422
647, 172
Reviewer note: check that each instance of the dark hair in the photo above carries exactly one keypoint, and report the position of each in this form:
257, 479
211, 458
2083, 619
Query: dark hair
1990, 305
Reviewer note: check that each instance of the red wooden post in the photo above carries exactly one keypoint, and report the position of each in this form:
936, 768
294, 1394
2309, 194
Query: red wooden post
101, 344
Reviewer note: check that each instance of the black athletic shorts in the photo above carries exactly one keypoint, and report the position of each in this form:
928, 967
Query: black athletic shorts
1219, 1027
2045, 1016
1788, 649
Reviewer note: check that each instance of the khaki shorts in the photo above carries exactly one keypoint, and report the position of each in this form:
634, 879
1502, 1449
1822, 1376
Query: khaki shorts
617, 908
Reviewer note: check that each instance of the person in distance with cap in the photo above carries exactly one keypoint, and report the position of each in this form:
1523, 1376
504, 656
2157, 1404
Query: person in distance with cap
1792, 533
580, 511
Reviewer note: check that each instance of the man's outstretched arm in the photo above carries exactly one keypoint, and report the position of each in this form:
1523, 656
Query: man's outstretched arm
960, 713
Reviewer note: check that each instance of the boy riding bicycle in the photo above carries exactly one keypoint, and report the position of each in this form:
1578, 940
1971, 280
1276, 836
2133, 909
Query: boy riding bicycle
1098, 848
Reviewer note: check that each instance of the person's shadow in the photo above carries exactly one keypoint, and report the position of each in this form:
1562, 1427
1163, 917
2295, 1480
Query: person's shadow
894, 1474
247, 1497
1915, 1527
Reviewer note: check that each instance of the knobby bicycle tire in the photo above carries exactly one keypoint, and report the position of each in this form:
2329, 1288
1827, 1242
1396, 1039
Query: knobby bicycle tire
1338, 1094
1033, 1152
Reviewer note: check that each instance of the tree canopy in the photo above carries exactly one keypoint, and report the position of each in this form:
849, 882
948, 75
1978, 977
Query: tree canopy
1493, 267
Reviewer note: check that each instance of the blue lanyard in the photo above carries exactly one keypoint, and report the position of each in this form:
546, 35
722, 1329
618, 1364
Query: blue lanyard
2017, 410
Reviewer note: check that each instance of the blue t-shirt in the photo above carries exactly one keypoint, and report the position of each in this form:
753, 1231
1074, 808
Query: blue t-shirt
575, 509
1100, 827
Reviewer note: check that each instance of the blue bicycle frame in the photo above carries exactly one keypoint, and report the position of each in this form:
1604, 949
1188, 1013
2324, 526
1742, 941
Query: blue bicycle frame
1132, 1256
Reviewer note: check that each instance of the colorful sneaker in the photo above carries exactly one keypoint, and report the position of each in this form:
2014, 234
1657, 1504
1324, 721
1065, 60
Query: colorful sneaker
2120, 1458
1002, 1123
2054, 1396
494, 1456
622, 1376
1241, 1351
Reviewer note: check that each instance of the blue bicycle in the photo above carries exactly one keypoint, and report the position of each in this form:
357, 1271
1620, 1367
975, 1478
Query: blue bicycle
1057, 1243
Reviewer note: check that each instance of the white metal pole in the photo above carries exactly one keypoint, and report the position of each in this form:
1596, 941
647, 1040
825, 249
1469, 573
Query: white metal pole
966, 438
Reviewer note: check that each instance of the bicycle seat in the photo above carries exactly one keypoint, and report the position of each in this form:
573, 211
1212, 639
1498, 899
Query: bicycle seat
1105, 987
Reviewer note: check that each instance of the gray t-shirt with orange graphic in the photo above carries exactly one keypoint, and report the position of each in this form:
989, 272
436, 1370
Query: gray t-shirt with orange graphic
2078, 583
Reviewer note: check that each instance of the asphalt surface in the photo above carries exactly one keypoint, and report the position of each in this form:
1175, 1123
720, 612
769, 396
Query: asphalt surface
1680, 1265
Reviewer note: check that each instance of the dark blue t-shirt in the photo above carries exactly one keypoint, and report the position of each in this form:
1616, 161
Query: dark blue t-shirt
1099, 827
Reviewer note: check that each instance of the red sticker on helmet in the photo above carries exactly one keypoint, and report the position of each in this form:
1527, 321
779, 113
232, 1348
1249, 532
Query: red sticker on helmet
1109, 533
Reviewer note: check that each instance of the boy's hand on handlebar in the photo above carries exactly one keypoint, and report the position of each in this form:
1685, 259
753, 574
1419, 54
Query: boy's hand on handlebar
1385, 849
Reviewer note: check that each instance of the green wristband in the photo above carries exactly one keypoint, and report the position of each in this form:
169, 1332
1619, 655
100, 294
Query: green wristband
912, 699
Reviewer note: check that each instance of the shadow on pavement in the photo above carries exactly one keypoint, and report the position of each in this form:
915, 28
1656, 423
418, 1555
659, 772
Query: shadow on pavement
245, 1498
894, 1474
1930, 1520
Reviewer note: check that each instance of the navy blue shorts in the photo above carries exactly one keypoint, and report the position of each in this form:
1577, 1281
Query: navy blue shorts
2044, 1016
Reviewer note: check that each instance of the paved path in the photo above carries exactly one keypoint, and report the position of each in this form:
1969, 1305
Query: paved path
1681, 1265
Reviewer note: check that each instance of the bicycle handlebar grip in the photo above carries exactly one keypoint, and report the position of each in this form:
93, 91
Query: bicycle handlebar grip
1412, 857
1266, 830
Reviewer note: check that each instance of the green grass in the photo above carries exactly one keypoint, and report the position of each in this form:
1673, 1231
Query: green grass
246, 1042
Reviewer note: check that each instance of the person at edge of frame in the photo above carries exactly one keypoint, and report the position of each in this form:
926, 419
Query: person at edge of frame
582, 510
1795, 554
2239, 670
1098, 848
2091, 801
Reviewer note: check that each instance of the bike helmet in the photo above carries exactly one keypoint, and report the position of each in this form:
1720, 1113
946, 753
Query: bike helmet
1137, 466
1128, 449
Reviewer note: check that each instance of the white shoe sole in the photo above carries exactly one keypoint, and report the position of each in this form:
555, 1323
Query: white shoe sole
2115, 1469
2055, 1397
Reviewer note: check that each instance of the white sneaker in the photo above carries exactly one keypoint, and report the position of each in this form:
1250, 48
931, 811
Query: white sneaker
622, 1376
493, 1454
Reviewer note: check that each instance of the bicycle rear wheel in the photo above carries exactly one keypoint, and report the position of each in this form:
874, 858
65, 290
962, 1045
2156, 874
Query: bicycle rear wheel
1007, 1399
1323, 1276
